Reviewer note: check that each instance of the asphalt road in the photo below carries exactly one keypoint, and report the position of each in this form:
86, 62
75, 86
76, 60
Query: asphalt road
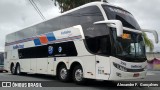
91, 85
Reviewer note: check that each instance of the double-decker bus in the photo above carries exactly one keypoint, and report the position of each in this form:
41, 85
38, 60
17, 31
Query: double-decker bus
94, 41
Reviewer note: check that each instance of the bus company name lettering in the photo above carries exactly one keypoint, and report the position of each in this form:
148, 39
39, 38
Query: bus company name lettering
18, 46
136, 66
65, 32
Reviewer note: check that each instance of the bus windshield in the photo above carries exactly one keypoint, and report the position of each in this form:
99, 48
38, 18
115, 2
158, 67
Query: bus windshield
127, 19
131, 46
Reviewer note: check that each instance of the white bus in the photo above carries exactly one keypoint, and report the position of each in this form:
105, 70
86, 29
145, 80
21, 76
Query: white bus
94, 41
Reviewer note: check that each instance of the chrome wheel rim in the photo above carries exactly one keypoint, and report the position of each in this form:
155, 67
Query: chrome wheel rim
79, 75
18, 70
13, 69
63, 73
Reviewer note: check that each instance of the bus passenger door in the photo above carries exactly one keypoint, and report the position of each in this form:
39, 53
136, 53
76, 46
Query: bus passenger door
102, 67
50, 66
7, 60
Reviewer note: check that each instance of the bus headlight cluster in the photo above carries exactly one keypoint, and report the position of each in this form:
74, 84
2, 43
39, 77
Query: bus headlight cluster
122, 68
145, 68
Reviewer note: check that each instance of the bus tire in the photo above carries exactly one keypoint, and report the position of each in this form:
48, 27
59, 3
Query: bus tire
63, 73
13, 72
78, 75
18, 70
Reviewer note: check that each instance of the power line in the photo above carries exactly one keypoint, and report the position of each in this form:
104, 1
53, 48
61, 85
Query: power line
37, 9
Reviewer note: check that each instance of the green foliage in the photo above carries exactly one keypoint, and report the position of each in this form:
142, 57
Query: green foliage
66, 5
148, 42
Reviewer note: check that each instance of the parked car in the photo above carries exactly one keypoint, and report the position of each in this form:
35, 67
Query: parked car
2, 68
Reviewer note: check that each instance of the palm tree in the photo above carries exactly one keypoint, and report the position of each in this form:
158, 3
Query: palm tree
66, 5
148, 42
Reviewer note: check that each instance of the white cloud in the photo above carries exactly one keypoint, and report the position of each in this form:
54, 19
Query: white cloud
18, 14
48, 8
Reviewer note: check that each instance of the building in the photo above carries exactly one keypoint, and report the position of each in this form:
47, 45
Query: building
153, 61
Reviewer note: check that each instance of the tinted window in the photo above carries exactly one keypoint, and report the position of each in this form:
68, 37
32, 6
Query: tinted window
88, 16
99, 45
53, 24
97, 39
51, 50
122, 15
69, 20
30, 32
85, 17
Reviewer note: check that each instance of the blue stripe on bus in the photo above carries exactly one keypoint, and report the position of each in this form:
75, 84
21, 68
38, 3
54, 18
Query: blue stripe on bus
50, 37
37, 42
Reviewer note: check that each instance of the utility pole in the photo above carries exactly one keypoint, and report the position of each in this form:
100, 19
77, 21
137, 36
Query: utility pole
37, 9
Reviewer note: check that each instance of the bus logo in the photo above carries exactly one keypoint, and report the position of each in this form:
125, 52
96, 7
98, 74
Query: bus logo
136, 66
18, 46
60, 49
50, 50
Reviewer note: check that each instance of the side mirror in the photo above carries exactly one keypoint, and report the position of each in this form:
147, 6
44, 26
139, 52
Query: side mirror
116, 23
154, 33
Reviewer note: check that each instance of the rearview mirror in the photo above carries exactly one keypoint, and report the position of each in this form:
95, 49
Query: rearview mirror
153, 32
117, 24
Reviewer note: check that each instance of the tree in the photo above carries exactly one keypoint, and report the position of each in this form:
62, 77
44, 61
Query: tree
66, 5
148, 42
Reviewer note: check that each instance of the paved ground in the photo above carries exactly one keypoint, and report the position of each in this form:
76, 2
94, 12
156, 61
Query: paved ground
91, 85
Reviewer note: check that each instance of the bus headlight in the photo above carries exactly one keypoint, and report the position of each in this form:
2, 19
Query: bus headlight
146, 67
122, 68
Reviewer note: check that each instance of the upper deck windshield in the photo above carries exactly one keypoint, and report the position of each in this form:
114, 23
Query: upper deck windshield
114, 13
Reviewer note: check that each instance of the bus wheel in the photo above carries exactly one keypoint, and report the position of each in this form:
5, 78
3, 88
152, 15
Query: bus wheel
13, 70
18, 70
78, 75
63, 73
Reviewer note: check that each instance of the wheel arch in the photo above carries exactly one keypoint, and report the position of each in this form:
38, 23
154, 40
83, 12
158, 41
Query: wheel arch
11, 65
17, 63
73, 65
58, 65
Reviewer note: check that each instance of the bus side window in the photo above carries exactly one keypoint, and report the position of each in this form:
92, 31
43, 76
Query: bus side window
99, 45
71, 49
104, 45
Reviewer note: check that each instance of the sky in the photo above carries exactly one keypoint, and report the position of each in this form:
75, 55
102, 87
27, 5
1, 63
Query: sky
18, 14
